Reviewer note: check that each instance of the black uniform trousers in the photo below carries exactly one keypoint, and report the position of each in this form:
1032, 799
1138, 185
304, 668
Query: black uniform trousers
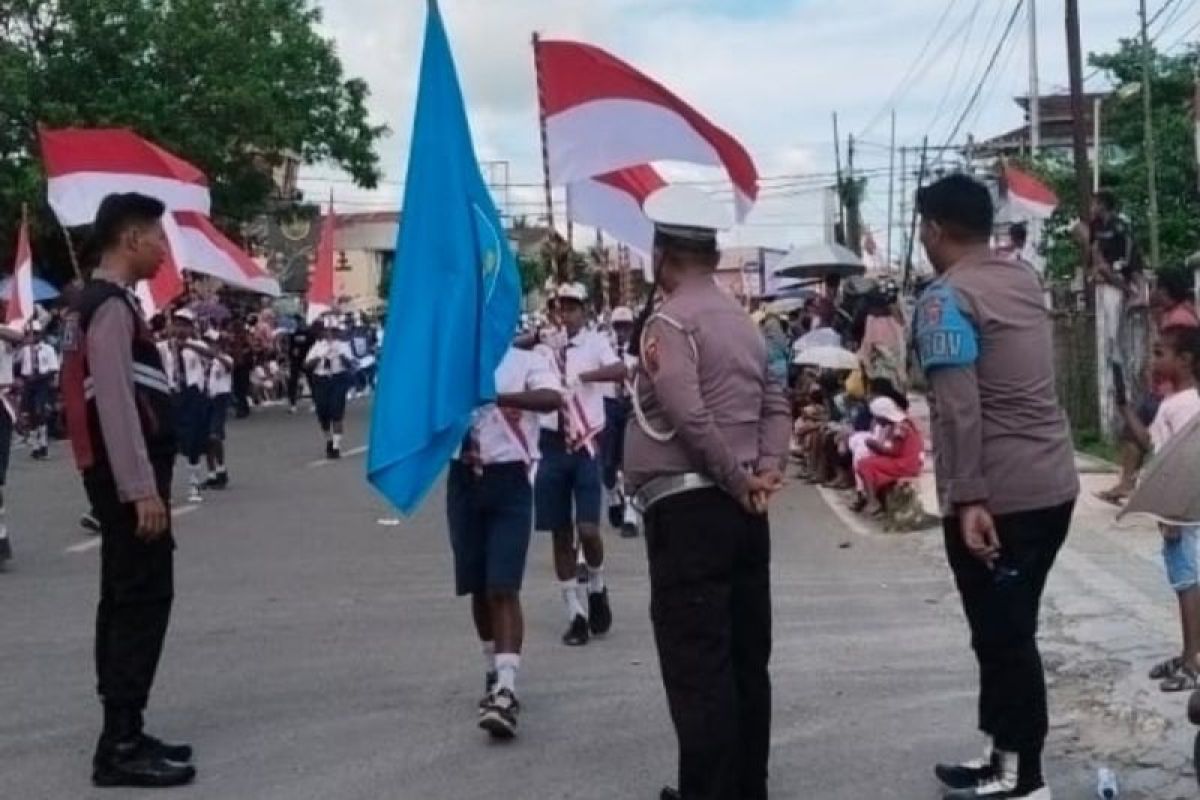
137, 587
1001, 606
710, 602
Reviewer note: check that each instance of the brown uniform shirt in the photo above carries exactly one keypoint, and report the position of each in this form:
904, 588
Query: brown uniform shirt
703, 374
986, 343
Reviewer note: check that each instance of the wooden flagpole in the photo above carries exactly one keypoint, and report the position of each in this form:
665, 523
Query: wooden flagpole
541, 87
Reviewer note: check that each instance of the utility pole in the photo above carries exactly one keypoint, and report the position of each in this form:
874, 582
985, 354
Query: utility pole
891, 187
1151, 166
1035, 92
853, 215
837, 160
904, 196
1083, 181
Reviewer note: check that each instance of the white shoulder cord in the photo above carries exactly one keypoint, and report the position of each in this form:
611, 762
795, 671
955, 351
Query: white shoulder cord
636, 401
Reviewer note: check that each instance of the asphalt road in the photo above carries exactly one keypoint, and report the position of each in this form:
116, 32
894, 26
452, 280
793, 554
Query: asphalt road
317, 653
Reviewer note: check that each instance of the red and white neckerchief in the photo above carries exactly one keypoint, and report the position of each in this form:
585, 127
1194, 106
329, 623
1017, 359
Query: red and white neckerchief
580, 433
516, 436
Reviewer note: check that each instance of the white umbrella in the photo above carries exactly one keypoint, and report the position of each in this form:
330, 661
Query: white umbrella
836, 358
819, 261
786, 305
818, 337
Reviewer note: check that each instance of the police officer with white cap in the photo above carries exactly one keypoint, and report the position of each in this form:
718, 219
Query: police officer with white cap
704, 455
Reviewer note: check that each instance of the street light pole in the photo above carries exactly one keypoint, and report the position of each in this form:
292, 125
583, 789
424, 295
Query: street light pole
1035, 93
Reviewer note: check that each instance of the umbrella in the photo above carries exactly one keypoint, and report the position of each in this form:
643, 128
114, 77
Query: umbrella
819, 337
820, 261
785, 305
42, 291
836, 358
1169, 489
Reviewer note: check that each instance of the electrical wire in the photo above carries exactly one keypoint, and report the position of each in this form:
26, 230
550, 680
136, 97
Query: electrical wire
908, 76
1012, 21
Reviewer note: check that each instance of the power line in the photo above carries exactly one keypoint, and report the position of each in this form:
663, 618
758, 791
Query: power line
1012, 21
976, 70
966, 41
904, 83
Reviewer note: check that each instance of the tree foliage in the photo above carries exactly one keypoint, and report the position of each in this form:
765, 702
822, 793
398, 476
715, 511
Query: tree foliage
1124, 158
227, 84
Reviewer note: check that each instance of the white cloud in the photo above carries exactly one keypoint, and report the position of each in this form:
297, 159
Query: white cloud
770, 71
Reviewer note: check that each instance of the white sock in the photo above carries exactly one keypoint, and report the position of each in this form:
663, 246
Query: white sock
43, 440
507, 665
595, 579
337, 441
220, 469
570, 593
196, 474
489, 655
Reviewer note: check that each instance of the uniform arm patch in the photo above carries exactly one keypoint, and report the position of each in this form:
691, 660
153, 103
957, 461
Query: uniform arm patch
945, 337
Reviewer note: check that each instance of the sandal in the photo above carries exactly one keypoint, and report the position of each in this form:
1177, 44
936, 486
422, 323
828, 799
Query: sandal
1183, 681
1116, 497
1167, 669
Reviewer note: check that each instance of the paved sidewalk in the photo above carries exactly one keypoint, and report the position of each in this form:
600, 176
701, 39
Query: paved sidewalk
1109, 616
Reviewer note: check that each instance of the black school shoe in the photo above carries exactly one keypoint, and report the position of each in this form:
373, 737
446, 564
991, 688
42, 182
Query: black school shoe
138, 764
500, 717
577, 634
178, 753
89, 523
489, 686
996, 790
966, 775
599, 612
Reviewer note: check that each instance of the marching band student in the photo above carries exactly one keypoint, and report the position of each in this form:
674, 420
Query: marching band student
331, 365
189, 357
567, 494
489, 506
220, 395
39, 368
9, 339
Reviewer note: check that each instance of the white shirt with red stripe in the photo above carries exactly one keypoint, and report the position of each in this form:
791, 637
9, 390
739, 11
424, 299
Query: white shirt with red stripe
506, 436
587, 351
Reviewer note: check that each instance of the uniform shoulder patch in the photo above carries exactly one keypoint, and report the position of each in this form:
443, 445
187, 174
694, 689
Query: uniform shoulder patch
944, 336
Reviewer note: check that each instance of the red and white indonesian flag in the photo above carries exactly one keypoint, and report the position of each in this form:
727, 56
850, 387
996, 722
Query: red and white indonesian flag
320, 285
602, 115
19, 310
83, 166
1029, 194
613, 203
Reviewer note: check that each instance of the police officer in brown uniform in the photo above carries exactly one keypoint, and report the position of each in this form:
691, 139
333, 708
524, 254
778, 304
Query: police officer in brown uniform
705, 451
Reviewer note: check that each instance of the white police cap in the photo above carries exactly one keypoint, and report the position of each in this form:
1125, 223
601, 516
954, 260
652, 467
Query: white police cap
686, 213
620, 315
572, 291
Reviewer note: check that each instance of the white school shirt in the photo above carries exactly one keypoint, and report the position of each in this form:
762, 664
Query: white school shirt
497, 439
220, 379
167, 354
47, 359
195, 367
331, 357
587, 351
1174, 414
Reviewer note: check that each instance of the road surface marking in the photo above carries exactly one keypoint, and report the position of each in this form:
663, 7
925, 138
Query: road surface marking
324, 462
92, 544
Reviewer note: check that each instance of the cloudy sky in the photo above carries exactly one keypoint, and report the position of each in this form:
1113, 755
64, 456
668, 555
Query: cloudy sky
771, 72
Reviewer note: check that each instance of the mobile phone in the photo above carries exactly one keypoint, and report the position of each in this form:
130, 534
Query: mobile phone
1120, 391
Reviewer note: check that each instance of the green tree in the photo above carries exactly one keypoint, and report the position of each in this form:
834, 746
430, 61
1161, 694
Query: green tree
1124, 164
231, 85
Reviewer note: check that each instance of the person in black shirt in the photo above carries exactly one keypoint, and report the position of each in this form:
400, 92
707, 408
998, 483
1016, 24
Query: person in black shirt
298, 343
1114, 257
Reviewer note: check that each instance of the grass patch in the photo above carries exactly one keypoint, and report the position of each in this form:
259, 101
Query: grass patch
1094, 444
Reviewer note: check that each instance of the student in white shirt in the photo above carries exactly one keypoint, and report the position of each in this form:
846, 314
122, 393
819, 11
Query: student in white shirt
568, 492
38, 365
331, 365
189, 358
616, 414
489, 507
220, 395
9, 340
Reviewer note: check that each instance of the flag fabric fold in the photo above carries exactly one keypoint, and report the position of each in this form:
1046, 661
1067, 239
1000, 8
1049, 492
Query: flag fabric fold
19, 309
1029, 194
320, 285
455, 295
85, 165
602, 115
613, 203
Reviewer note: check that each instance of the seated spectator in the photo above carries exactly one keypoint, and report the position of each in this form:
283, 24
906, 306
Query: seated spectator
896, 454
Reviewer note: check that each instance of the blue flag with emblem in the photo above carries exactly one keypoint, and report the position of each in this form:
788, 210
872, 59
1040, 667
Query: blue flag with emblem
455, 294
